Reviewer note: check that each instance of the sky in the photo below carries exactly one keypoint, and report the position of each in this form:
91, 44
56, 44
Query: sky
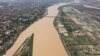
6, 0
25, 0
14, 0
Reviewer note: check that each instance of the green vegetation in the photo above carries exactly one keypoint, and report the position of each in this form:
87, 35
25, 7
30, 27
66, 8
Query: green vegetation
29, 47
26, 49
1, 54
84, 40
80, 53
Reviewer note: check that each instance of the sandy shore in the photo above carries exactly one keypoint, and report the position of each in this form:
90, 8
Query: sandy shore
46, 39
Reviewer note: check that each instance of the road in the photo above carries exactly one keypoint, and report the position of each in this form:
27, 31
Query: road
46, 39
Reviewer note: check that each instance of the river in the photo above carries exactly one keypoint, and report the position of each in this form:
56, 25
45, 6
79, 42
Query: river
46, 39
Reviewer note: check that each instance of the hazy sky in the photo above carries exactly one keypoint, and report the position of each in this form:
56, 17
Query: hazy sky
26, 0
6, 0
18, 0
14, 0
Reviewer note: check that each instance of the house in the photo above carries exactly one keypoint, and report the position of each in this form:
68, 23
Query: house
78, 33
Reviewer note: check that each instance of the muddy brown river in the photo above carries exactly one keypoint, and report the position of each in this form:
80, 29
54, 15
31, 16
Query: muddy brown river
46, 39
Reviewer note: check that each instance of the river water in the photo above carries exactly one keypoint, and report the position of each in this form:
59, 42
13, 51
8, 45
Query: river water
46, 39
